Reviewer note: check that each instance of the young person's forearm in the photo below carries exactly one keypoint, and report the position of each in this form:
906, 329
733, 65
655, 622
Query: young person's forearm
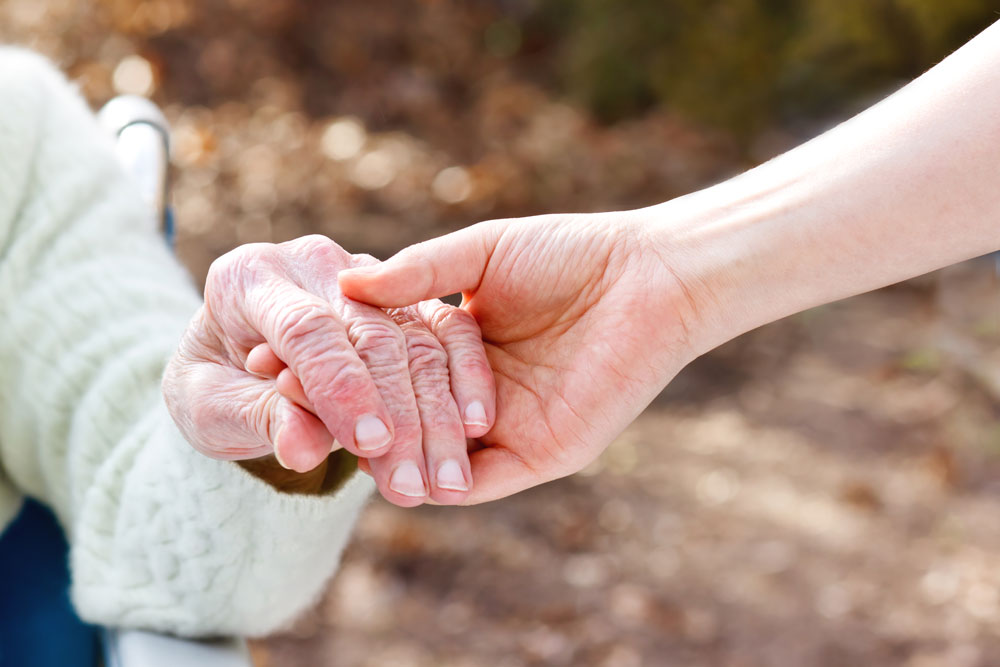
909, 186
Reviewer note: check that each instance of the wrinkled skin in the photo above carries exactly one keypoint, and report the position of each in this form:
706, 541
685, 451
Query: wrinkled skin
582, 330
279, 361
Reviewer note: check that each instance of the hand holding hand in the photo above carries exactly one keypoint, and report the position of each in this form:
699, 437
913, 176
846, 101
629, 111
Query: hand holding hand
583, 323
278, 360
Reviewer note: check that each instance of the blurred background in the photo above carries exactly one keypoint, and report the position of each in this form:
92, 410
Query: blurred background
822, 491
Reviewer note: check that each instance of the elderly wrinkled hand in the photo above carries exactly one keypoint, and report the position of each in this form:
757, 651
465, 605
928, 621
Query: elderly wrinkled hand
279, 361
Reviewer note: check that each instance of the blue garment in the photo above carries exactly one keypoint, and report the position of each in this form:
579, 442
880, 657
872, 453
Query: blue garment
38, 627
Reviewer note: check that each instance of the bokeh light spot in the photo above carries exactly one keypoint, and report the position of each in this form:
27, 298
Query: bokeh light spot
452, 185
375, 170
343, 139
133, 76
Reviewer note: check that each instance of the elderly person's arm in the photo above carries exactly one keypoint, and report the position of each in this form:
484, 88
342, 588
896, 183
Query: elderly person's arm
92, 306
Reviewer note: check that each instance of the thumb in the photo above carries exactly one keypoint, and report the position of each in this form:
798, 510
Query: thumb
429, 270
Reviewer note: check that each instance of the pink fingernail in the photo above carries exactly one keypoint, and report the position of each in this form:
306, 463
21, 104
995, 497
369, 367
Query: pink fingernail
475, 414
277, 455
408, 481
371, 433
282, 419
449, 476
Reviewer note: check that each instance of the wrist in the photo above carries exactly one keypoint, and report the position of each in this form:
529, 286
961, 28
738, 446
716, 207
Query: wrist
325, 477
736, 255
680, 288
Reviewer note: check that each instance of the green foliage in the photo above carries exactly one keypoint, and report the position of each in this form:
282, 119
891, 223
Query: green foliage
745, 65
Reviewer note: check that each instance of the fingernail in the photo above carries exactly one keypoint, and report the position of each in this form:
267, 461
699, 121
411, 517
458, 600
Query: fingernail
475, 414
371, 433
407, 480
282, 417
280, 461
449, 476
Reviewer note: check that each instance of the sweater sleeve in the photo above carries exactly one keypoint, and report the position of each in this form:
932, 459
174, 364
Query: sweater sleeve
92, 305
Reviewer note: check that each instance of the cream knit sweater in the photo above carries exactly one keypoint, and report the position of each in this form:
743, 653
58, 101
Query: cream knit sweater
92, 305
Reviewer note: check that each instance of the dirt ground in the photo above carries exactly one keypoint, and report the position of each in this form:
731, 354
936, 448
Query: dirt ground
823, 491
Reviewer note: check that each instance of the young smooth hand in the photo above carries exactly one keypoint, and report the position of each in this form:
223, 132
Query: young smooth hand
587, 317
583, 326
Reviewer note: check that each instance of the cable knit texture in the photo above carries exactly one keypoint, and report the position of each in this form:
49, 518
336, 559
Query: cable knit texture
92, 305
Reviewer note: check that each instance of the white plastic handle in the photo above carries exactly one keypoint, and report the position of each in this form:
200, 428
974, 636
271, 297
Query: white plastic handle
135, 648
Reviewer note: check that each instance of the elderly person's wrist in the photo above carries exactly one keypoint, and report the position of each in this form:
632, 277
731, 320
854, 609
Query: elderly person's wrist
267, 469
321, 479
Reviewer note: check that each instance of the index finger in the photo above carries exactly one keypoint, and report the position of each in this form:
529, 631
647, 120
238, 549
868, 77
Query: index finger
307, 334
253, 302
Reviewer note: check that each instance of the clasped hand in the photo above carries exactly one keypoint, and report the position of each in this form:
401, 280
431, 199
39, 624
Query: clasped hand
278, 361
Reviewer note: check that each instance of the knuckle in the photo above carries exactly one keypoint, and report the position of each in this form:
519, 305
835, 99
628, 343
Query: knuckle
298, 325
347, 386
453, 321
443, 428
372, 336
247, 257
434, 400
239, 267
439, 415
316, 247
418, 253
425, 353
308, 242
472, 365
